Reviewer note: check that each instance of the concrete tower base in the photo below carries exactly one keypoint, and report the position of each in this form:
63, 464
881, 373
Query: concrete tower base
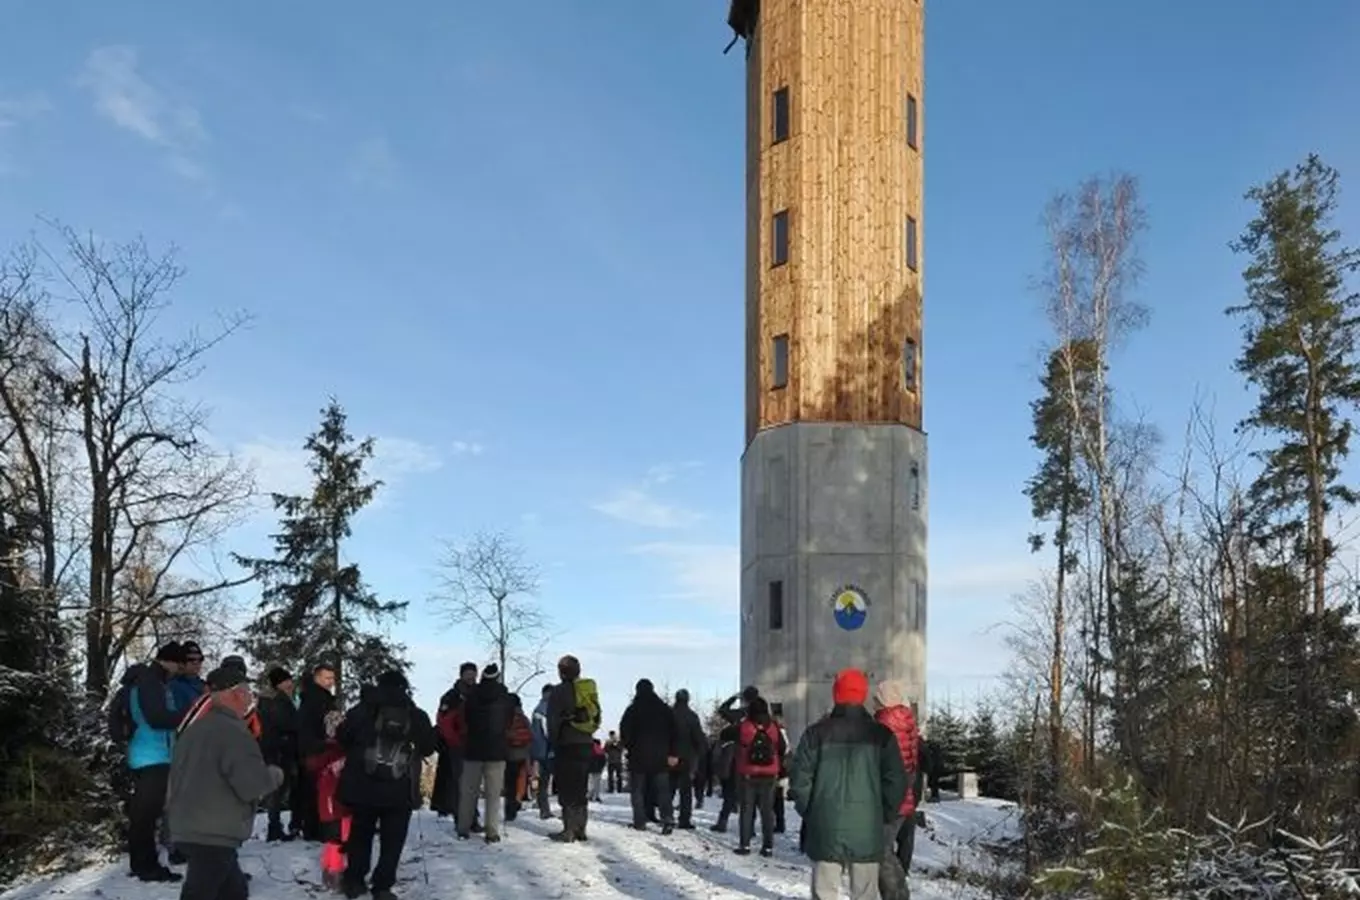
828, 507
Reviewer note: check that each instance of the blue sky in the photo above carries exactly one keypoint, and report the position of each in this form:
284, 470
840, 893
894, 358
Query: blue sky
509, 238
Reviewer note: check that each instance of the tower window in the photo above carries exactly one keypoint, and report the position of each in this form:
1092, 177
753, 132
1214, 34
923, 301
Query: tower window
776, 606
911, 123
779, 238
910, 364
777, 709
912, 262
915, 486
779, 352
780, 115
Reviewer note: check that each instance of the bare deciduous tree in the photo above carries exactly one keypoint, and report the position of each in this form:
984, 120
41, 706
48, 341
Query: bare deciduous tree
487, 583
151, 481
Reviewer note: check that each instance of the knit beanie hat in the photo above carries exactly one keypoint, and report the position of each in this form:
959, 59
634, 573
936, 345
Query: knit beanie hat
851, 688
238, 663
891, 693
171, 653
491, 673
278, 675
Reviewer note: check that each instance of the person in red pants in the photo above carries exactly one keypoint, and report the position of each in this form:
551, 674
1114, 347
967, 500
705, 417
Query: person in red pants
332, 816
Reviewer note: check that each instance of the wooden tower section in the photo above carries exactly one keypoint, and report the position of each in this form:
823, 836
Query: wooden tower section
833, 475
834, 195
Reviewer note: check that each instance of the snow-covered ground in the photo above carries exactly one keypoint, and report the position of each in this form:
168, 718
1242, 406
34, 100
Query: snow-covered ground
617, 862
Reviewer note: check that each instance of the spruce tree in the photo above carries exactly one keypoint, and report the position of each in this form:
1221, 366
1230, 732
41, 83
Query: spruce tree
983, 753
1300, 330
313, 607
949, 733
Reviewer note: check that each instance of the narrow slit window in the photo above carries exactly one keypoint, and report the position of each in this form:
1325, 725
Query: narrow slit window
912, 140
910, 364
777, 709
776, 606
780, 115
912, 262
915, 486
779, 361
779, 238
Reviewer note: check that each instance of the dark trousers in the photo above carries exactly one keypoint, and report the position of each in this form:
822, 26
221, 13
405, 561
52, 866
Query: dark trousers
543, 796
682, 781
284, 795
571, 773
614, 777
756, 793
729, 800
390, 826
906, 843
214, 873
512, 769
305, 816
778, 809
144, 811
650, 790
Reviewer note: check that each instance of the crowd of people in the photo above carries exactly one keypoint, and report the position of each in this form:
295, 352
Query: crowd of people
207, 753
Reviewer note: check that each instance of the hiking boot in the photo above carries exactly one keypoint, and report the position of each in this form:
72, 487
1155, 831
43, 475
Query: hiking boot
384, 894
686, 826
668, 829
719, 826
742, 851
492, 837
352, 889
582, 817
767, 852
545, 814
275, 834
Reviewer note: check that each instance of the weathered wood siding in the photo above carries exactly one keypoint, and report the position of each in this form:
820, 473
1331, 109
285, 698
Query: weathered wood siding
846, 298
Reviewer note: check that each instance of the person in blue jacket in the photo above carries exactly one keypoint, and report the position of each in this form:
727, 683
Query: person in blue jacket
153, 719
540, 751
188, 685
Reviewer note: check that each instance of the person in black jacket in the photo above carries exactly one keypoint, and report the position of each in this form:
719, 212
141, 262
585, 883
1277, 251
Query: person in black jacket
725, 770
690, 747
648, 731
444, 796
487, 711
279, 746
317, 700
385, 738
733, 714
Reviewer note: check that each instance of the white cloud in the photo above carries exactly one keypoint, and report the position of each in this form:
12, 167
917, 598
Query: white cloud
639, 505
467, 448
702, 573
373, 163
124, 96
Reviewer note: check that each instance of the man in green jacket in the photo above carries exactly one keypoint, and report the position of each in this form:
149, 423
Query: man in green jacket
847, 782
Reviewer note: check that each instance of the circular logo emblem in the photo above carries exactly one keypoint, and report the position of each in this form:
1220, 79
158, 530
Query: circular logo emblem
850, 606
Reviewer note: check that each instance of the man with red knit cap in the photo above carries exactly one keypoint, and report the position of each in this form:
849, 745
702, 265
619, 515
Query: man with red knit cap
847, 782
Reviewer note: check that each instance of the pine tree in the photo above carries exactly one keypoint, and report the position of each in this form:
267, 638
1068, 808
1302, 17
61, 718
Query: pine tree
1300, 331
983, 748
949, 733
1058, 491
312, 605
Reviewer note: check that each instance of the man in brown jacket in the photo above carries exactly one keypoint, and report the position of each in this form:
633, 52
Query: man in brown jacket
217, 778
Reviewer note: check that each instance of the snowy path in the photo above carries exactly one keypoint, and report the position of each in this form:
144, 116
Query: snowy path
617, 862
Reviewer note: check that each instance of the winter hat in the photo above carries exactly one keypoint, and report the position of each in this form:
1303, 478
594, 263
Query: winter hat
569, 667
192, 651
393, 680
492, 672
851, 688
225, 678
236, 663
278, 675
172, 652
890, 693
644, 686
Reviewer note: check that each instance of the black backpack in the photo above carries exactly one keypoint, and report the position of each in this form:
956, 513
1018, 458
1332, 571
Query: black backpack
761, 752
388, 757
120, 721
